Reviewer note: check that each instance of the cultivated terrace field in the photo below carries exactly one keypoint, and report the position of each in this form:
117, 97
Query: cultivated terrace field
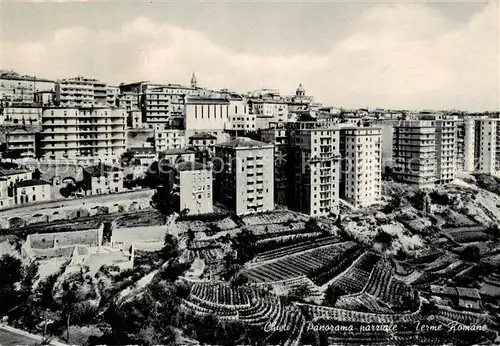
421, 270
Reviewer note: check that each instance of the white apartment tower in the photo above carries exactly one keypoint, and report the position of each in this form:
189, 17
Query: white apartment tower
487, 145
84, 92
245, 175
161, 104
360, 181
414, 151
192, 188
446, 149
83, 133
316, 160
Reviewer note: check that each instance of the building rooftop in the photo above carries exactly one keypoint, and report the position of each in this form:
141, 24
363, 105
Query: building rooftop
177, 151
98, 170
16, 76
191, 166
245, 142
206, 100
465, 292
202, 135
31, 182
12, 171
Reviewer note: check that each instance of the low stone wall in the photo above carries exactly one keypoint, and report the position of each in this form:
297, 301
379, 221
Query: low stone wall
70, 211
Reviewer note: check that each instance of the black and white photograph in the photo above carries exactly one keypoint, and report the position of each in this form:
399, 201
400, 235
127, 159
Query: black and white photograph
242, 172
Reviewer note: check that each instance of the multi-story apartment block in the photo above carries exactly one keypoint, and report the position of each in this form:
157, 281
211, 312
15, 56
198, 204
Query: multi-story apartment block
268, 111
465, 145
203, 141
45, 98
17, 89
102, 179
192, 188
20, 115
360, 181
277, 135
31, 190
83, 133
315, 158
240, 119
84, 92
414, 151
446, 149
26, 142
162, 103
487, 145
166, 138
128, 100
245, 175
386, 127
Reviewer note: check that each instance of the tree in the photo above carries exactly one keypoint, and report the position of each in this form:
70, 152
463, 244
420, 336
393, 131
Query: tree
37, 174
245, 245
170, 246
383, 238
10, 275
68, 190
162, 200
25, 311
332, 293
69, 300
470, 253
127, 157
239, 280
190, 235
230, 267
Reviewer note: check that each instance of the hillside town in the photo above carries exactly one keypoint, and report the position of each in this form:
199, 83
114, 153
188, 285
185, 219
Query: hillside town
169, 214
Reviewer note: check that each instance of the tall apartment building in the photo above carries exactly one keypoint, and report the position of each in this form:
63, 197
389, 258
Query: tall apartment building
162, 103
360, 181
465, 145
386, 127
268, 111
446, 149
83, 133
245, 175
84, 92
241, 120
487, 145
166, 138
277, 135
315, 158
192, 188
414, 151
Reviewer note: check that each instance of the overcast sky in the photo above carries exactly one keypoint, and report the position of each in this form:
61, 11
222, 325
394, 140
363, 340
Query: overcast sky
387, 54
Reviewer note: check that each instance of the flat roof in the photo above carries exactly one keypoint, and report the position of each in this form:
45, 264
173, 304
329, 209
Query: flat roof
244, 142
31, 182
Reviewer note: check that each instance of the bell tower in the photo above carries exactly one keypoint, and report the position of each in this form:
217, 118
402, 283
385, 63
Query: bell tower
194, 82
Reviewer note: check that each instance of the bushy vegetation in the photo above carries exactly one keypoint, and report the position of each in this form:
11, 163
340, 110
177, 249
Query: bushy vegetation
488, 182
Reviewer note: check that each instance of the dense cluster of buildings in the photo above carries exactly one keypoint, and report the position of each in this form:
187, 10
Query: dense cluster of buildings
249, 151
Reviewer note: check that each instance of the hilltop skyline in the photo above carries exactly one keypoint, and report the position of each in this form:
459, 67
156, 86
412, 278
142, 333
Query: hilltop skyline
403, 56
